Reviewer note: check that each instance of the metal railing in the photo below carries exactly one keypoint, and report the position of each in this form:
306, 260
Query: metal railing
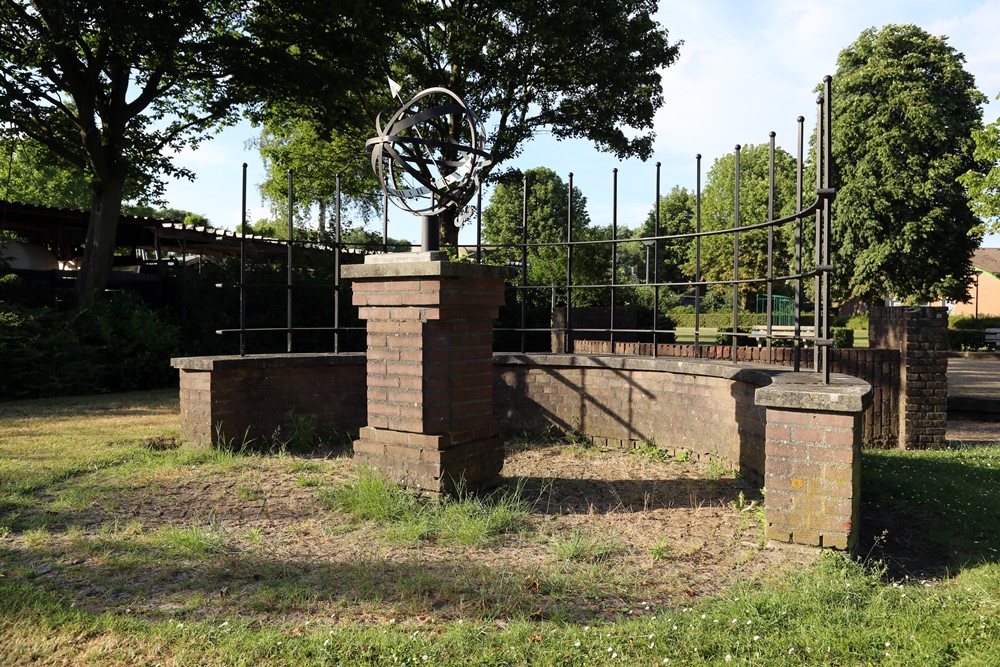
817, 268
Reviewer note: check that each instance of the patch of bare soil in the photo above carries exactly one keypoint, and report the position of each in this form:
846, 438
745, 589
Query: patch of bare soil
667, 532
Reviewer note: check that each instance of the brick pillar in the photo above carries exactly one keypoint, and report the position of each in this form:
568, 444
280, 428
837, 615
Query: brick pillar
812, 477
430, 370
921, 335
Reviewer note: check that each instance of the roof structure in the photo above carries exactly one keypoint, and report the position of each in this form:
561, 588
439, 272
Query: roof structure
45, 225
987, 259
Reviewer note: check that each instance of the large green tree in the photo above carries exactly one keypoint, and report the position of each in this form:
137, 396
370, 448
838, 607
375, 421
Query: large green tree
718, 212
904, 110
33, 174
576, 68
984, 185
111, 87
316, 157
548, 214
676, 211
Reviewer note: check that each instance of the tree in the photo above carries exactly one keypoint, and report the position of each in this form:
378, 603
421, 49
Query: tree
110, 86
677, 210
548, 212
904, 110
580, 69
718, 209
34, 175
316, 157
984, 185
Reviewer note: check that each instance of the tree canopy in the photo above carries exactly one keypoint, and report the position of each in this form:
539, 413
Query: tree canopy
984, 186
904, 111
112, 87
718, 210
315, 158
548, 213
578, 69
676, 209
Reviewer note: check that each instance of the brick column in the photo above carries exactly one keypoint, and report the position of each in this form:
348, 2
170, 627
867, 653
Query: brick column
812, 477
430, 370
921, 335
812, 459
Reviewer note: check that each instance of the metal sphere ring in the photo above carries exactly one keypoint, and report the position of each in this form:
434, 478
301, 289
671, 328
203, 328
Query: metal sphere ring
429, 153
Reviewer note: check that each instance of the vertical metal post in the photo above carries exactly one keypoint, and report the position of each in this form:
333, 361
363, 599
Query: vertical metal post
770, 244
243, 267
817, 250
614, 249
797, 351
827, 261
479, 225
524, 267
291, 233
385, 222
430, 233
697, 257
336, 271
736, 254
569, 268
656, 262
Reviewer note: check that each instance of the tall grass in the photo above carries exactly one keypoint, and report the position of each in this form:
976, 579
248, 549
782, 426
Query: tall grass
467, 519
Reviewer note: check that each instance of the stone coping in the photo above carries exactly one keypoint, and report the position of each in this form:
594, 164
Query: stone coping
285, 360
779, 388
423, 269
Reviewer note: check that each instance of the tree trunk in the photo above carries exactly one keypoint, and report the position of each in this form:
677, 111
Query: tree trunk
98, 253
322, 220
449, 232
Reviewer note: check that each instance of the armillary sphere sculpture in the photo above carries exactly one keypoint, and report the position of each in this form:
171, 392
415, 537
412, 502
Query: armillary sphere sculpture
428, 157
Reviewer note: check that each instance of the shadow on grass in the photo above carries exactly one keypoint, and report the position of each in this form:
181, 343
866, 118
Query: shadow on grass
928, 515
602, 496
158, 584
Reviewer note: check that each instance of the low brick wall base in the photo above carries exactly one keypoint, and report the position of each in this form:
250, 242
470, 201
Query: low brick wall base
783, 429
801, 439
246, 400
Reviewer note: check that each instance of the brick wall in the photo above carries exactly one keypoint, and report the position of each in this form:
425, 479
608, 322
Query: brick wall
878, 367
625, 404
813, 477
779, 427
921, 335
243, 398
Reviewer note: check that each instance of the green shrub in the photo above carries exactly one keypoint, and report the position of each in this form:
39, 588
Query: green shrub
712, 320
117, 344
843, 337
967, 322
858, 322
725, 336
966, 340
41, 355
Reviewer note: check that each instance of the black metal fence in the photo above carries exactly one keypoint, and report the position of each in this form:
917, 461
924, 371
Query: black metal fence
525, 324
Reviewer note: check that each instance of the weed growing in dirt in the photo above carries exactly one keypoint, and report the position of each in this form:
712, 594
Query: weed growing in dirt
191, 541
661, 550
649, 450
582, 547
467, 519
752, 512
716, 469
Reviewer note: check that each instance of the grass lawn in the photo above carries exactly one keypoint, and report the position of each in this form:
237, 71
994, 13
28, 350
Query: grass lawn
119, 546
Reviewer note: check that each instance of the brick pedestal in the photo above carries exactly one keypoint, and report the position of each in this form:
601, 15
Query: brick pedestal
812, 469
921, 335
430, 370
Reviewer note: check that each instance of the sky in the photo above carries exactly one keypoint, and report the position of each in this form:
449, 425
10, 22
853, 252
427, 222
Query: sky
746, 68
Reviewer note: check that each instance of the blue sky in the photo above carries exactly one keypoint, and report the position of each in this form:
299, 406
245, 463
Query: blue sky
745, 68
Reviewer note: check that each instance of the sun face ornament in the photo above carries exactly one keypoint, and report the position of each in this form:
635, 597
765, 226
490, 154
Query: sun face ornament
429, 155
